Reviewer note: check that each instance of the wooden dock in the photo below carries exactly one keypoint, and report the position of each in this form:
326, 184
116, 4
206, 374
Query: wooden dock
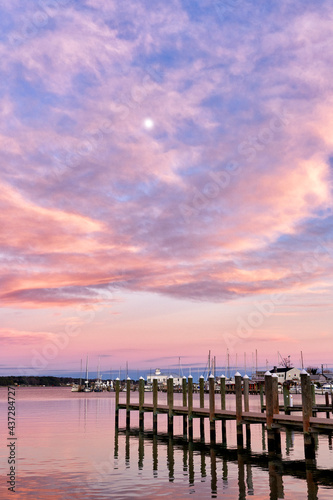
270, 415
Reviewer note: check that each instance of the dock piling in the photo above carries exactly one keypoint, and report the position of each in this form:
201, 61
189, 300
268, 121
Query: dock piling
128, 402
306, 401
224, 427
184, 404
117, 403
155, 388
238, 390
269, 399
262, 398
190, 408
170, 404
141, 402
275, 389
202, 405
212, 409
286, 399
247, 408
327, 403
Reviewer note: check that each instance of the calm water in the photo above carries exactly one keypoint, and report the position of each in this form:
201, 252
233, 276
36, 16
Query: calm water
67, 448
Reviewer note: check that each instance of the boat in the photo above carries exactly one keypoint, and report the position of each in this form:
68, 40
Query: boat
87, 387
98, 386
78, 387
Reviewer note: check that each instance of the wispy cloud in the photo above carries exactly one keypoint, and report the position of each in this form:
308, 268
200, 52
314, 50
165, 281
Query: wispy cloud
174, 149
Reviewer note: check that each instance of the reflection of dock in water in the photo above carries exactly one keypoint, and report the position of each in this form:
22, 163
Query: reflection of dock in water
215, 459
270, 418
270, 414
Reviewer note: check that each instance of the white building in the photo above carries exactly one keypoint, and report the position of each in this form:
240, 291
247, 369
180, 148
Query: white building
162, 378
288, 374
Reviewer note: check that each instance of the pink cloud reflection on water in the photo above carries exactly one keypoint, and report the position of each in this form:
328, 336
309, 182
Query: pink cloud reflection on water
67, 448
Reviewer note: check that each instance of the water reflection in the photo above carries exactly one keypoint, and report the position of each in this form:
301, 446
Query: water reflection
213, 462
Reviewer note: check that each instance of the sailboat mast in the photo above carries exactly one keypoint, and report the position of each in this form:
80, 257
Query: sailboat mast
87, 381
81, 373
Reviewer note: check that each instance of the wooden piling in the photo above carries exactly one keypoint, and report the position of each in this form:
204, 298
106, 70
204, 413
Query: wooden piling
222, 391
128, 402
269, 399
155, 389
117, 403
202, 405
275, 389
327, 403
170, 405
190, 408
247, 408
313, 394
184, 404
262, 398
141, 402
246, 393
212, 409
238, 390
269, 410
306, 401
286, 399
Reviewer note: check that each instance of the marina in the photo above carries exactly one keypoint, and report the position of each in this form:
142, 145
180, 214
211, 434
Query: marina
269, 415
92, 459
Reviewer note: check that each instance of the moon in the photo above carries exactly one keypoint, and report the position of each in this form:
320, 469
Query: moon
148, 123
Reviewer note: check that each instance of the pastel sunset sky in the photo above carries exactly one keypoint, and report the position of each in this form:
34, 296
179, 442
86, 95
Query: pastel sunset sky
166, 183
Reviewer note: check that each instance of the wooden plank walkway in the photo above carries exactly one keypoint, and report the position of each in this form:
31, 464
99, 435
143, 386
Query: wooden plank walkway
271, 417
247, 417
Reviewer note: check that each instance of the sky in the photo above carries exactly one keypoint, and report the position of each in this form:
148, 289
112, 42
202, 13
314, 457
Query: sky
166, 184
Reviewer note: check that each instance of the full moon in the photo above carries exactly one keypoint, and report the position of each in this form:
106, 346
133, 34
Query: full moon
148, 123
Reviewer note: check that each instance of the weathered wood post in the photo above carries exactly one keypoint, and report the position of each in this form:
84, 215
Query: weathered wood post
246, 391
238, 390
212, 409
155, 389
306, 401
269, 410
141, 402
269, 399
276, 411
184, 404
117, 402
327, 403
286, 399
202, 405
275, 389
128, 402
262, 398
309, 444
224, 427
190, 408
170, 405
313, 394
